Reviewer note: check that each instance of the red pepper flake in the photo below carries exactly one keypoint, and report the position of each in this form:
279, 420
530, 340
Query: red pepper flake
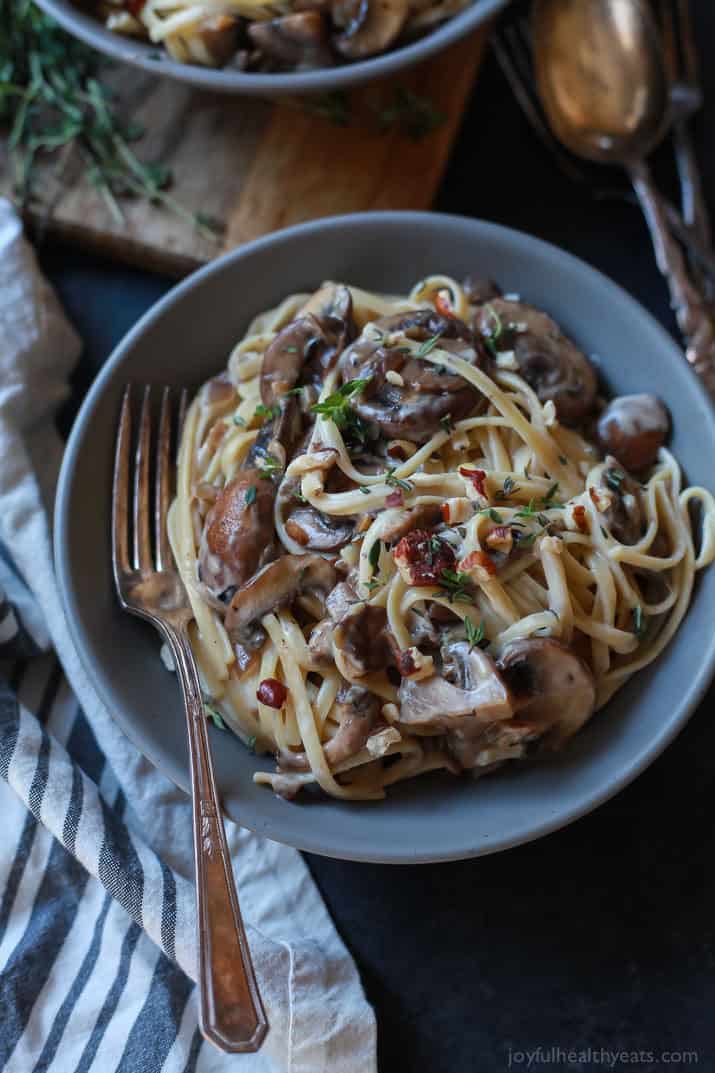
395, 499
405, 663
594, 496
134, 7
421, 557
396, 450
445, 512
272, 693
443, 303
477, 561
579, 516
477, 477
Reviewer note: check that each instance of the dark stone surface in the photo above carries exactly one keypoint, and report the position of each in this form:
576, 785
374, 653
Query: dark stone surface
601, 935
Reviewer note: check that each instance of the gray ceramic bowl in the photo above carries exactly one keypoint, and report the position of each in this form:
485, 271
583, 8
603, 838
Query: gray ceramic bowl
154, 58
184, 339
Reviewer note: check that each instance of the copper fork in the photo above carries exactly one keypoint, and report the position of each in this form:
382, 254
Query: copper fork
148, 585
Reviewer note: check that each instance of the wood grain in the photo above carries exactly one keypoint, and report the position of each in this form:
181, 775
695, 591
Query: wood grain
257, 166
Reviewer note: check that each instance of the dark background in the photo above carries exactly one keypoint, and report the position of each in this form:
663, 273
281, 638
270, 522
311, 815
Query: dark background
601, 935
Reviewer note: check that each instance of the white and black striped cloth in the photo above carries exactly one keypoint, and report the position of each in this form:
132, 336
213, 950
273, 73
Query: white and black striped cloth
97, 916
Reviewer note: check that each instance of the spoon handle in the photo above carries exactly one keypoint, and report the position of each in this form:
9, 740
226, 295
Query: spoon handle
694, 318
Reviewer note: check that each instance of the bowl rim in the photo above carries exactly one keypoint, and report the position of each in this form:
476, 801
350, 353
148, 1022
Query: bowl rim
153, 59
629, 769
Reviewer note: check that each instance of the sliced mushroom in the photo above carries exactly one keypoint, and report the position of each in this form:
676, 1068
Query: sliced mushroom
276, 585
411, 405
286, 355
478, 289
332, 306
318, 532
375, 26
361, 640
436, 705
357, 711
634, 428
298, 41
552, 687
548, 360
238, 534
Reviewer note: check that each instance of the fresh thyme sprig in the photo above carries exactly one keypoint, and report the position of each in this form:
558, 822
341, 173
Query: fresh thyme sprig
456, 585
52, 102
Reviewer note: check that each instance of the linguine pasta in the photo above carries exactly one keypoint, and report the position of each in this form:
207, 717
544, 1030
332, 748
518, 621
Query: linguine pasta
405, 541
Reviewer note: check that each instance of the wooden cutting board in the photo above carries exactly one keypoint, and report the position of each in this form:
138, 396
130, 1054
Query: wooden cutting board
256, 166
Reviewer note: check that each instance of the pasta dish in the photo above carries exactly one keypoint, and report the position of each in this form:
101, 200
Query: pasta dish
415, 536
252, 35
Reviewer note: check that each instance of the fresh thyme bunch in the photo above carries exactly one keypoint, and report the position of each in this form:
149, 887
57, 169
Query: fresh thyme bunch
52, 100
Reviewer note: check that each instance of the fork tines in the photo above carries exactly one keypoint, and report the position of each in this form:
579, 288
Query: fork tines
144, 557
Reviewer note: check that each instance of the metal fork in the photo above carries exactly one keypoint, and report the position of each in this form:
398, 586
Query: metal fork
511, 43
149, 585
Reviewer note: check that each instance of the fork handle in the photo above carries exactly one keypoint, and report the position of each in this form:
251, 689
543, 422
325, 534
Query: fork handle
231, 1012
695, 319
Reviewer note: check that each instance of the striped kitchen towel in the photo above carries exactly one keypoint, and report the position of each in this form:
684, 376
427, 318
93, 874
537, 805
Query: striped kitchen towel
97, 917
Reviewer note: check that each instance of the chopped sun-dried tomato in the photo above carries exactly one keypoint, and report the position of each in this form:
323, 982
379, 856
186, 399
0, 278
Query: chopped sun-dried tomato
395, 499
443, 303
477, 477
272, 693
579, 516
134, 7
421, 557
479, 565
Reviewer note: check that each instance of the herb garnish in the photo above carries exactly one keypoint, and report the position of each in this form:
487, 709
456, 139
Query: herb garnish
213, 714
270, 467
295, 390
493, 514
447, 423
639, 626
373, 556
397, 482
52, 101
475, 634
251, 494
364, 489
495, 332
455, 585
337, 406
238, 420
614, 479
266, 412
428, 346
563, 460
251, 744
509, 488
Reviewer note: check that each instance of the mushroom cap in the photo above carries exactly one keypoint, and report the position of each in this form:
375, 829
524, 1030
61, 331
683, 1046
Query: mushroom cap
360, 637
357, 710
634, 428
316, 531
414, 410
238, 535
552, 687
276, 585
374, 25
298, 40
435, 705
548, 360
286, 355
479, 290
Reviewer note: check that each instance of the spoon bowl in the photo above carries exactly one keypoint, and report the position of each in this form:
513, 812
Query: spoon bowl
601, 76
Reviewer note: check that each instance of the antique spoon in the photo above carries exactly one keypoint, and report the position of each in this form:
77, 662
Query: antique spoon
603, 84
